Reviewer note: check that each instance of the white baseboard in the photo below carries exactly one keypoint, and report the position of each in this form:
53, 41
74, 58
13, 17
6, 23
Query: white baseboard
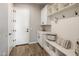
32, 42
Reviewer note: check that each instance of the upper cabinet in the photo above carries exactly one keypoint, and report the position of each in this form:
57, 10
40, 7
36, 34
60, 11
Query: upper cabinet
57, 8
56, 11
52, 8
44, 16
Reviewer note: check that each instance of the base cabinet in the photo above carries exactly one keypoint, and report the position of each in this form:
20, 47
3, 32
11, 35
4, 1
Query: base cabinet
41, 39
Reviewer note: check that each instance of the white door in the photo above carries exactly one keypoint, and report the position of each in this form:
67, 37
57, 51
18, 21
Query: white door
22, 26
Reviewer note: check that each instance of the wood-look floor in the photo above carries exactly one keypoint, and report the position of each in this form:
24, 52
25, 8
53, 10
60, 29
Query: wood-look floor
28, 50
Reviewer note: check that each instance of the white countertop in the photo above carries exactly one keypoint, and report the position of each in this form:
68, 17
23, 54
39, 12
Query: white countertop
45, 32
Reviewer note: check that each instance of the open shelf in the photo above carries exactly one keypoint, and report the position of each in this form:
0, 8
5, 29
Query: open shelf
68, 52
63, 9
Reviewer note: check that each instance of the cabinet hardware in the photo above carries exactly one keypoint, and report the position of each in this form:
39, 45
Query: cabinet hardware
63, 16
78, 42
76, 13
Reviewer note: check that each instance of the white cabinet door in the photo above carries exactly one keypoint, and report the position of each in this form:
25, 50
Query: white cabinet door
44, 16
41, 39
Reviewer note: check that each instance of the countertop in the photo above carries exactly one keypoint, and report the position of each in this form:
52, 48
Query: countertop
45, 32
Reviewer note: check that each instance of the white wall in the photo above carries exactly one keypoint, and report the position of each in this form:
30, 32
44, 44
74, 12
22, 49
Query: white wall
3, 29
34, 18
35, 21
68, 28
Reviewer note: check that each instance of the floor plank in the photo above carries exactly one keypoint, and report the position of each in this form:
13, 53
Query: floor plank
28, 50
